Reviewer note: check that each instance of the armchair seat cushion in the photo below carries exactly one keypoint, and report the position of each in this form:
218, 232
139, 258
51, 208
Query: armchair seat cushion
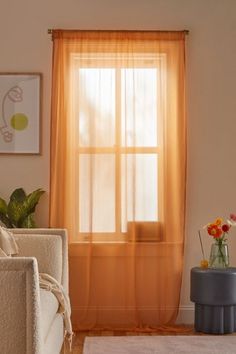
48, 306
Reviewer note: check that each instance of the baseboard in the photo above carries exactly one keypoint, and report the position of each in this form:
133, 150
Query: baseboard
186, 315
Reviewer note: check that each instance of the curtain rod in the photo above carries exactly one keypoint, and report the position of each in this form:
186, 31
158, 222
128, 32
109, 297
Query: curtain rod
50, 30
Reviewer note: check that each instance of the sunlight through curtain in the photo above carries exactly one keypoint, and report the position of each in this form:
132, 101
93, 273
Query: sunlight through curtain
118, 173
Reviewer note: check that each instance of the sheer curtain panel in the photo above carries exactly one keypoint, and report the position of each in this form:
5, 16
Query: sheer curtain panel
118, 173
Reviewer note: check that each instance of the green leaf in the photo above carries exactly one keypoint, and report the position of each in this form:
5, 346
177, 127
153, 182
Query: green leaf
21, 207
5, 220
28, 222
32, 200
15, 211
18, 195
3, 206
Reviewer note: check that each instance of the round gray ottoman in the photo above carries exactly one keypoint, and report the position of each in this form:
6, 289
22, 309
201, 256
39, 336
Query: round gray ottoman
214, 293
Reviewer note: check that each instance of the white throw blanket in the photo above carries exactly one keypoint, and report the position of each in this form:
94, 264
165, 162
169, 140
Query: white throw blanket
51, 284
8, 248
8, 244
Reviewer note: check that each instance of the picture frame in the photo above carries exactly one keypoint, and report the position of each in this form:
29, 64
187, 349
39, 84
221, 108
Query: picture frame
20, 113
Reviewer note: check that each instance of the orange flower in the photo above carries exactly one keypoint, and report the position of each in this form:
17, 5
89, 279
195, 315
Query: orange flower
214, 230
218, 221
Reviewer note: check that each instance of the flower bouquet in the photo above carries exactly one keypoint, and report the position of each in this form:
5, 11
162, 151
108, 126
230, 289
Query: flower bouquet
219, 230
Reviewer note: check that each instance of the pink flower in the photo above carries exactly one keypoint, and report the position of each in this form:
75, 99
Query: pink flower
233, 217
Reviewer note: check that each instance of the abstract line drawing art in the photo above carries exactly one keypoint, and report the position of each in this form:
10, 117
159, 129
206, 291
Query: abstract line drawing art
20, 113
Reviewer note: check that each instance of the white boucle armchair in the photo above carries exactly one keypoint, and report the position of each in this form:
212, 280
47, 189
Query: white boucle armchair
29, 318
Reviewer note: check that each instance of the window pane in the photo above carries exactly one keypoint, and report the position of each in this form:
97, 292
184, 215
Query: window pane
97, 107
139, 107
139, 188
97, 193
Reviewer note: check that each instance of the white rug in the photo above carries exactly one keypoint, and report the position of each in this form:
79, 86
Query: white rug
161, 345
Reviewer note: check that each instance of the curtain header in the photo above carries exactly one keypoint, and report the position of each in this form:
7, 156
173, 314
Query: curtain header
117, 35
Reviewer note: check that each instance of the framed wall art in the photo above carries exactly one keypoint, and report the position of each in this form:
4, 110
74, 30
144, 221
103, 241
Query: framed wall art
20, 110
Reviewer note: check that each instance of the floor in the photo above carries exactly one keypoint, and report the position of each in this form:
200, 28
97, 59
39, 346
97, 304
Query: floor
78, 339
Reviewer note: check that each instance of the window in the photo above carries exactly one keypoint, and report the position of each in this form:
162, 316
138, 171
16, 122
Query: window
119, 113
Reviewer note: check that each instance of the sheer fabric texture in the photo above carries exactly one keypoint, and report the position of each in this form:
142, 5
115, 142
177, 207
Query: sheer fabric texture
118, 173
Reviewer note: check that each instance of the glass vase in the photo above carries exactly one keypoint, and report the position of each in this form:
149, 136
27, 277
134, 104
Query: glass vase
219, 257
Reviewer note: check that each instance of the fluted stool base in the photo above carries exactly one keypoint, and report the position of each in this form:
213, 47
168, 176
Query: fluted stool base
215, 319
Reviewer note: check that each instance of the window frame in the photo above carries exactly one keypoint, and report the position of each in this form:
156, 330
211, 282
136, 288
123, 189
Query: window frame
138, 60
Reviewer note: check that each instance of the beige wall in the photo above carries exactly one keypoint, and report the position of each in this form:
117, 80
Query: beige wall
25, 46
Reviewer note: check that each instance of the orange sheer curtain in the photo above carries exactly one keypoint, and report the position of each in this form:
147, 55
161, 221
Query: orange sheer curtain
118, 173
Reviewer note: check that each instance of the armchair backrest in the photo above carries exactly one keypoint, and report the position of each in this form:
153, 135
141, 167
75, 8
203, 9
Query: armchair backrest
49, 247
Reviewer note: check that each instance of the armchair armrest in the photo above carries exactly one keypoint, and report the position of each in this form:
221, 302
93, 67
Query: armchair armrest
19, 306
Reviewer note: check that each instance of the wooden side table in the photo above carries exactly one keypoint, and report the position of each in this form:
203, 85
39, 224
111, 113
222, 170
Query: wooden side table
214, 293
